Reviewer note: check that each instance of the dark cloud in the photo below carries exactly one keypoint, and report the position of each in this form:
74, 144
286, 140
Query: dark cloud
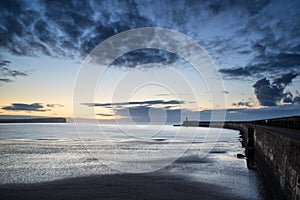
266, 64
243, 103
6, 74
291, 99
149, 114
263, 33
271, 36
54, 105
5, 80
149, 103
105, 115
145, 56
258, 47
237, 72
57, 28
270, 94
37, 107
144, 111
296, 99
284, 80
288, 98
254, 6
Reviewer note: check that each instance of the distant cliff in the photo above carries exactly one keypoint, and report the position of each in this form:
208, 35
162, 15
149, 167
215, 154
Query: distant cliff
35, 120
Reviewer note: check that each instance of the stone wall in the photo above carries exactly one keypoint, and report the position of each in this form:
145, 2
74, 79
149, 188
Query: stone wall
278, 157
285, 122
274, 150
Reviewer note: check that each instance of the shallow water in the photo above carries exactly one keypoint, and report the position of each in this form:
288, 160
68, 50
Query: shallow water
34, 153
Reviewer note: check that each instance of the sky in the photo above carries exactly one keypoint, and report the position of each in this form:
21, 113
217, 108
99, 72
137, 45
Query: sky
254, 46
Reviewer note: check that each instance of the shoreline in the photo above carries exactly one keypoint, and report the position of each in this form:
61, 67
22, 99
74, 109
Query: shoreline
118, 186
54, 170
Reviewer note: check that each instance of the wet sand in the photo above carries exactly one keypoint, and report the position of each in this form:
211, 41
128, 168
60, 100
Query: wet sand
118, 186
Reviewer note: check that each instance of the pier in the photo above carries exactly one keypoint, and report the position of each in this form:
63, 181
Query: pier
273, 147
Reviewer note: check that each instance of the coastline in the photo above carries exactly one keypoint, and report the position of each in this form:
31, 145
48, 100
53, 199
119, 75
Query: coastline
36, 120
118, 186
220, 175
49, 169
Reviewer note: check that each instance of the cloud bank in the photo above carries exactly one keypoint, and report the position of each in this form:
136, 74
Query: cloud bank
271, 94
6, 74
262, 36
37, 107
34, 107
146, 103
144, 111
246, 39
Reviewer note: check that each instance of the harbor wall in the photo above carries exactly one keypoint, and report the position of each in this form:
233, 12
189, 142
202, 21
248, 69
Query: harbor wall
273, 146
276, 155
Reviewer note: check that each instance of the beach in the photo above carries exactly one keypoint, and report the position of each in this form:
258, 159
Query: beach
49, 166
120, 186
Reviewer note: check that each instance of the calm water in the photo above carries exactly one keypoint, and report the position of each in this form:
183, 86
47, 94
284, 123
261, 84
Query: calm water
33, 153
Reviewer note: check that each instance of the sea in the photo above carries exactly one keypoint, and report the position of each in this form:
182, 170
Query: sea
37, 153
